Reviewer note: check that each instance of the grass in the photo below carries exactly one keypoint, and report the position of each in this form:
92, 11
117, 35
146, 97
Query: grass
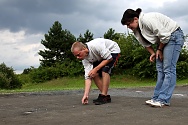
75, 83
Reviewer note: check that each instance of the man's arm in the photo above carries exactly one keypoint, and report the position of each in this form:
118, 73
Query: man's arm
93, 72
86, 92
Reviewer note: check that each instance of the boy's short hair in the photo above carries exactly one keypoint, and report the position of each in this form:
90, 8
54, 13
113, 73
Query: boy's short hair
78, 45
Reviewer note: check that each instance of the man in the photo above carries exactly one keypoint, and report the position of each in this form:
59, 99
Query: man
98, 58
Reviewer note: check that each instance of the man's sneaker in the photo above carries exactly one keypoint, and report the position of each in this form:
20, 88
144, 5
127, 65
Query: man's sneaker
148, 102
108, 98
102, 99
157, 104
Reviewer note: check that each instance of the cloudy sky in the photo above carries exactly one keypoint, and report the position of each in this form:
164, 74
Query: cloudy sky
23, 23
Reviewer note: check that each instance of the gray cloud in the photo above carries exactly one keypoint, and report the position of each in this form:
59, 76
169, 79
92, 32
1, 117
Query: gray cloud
33, 15
36, 17
39, 15
75, 15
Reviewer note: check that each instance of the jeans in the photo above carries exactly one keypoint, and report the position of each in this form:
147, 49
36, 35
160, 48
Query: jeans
166, 69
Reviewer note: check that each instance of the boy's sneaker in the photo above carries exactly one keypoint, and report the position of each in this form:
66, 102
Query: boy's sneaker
108, 98
148, 102
102, 99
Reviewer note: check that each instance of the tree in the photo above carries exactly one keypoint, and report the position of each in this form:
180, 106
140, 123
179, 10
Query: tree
57, 46
27, 70
8, 80
88, 36
110, 34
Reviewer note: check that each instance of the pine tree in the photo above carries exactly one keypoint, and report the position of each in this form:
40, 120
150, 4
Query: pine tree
110, 34
88, 36
57, 46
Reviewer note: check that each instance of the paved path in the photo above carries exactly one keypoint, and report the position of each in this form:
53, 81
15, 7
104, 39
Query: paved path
65, 108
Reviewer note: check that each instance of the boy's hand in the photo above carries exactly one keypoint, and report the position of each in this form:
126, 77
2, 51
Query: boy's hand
85, 100
92, 73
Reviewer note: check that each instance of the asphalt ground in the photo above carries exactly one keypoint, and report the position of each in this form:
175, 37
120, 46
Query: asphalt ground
64, 108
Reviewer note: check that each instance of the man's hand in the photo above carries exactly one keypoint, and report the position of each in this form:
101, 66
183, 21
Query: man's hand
85, 100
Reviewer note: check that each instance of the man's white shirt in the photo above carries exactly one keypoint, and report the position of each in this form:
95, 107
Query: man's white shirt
99, 49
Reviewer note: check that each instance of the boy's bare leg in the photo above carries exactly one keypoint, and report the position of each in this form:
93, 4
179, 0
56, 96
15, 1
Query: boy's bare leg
98, 82
105, 83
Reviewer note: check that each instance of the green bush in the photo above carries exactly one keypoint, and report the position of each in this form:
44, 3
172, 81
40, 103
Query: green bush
8, 80
182, 70
72, 68
134, 60
182, 65
43, 74
24, 78
127, 45
68, 68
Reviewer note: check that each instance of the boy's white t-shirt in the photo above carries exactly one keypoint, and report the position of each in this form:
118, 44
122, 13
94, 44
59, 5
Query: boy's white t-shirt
99, 49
